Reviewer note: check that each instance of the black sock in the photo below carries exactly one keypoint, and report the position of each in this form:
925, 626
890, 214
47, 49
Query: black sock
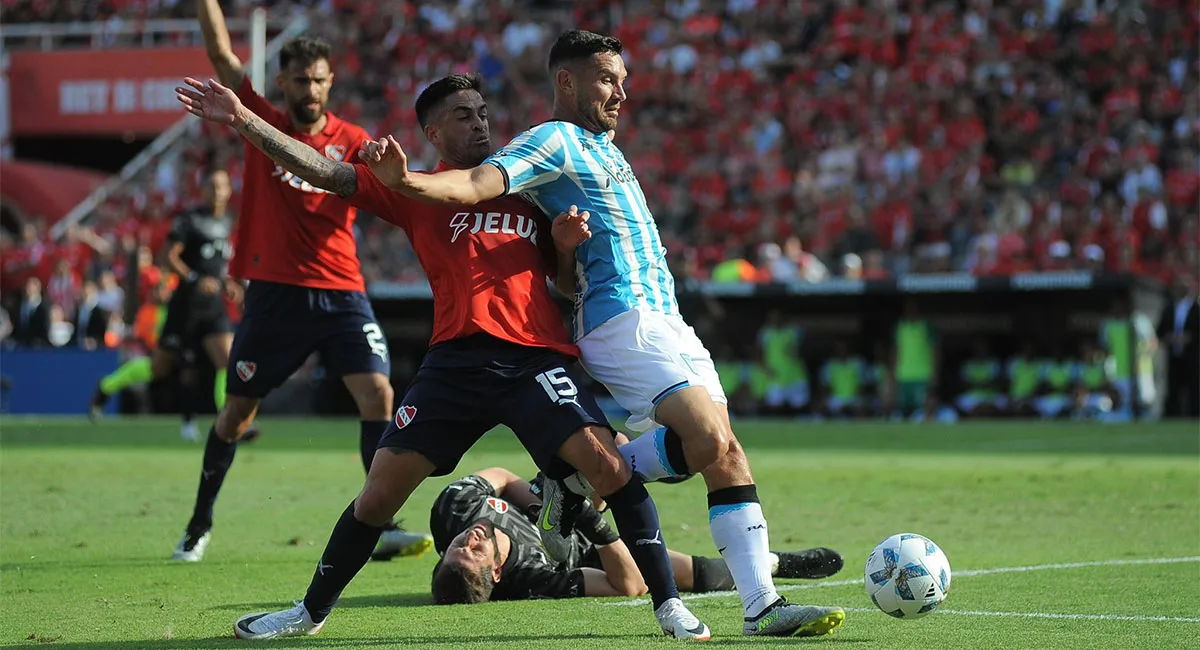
674, 448
218, 457
187, 402
349, 547
637, 522
369, 433
710, 575
733, 495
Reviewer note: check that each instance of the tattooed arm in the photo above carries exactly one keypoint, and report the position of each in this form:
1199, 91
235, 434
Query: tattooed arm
216, 103
299, 158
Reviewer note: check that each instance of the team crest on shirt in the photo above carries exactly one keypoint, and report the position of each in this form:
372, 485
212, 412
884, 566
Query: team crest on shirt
405, 415
498, 505
246, 370
335, 152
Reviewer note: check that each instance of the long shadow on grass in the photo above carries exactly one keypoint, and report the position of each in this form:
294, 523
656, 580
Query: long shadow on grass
163, 563
391, 641
389, 600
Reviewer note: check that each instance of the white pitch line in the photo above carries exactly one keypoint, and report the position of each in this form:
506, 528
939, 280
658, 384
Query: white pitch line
956, 574
1051, 615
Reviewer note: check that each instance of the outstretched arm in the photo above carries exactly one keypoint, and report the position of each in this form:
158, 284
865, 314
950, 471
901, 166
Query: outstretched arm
389, 163
216, 103
217, 44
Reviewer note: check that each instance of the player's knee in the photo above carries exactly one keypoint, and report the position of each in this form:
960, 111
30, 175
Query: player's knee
374, 507
710, 441
227, 426
374, 398
592, 452
235, 417
733, 468
611, 473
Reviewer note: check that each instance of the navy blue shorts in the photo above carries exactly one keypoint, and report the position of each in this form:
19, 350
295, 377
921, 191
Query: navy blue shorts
465, 387
192, 317
283, 324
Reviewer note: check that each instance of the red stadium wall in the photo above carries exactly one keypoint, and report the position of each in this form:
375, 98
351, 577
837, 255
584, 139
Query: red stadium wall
101, 92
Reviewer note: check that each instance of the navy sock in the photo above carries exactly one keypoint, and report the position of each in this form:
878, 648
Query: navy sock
349, 547
673, 445
218, 458
369, 434
187, 402
637, 522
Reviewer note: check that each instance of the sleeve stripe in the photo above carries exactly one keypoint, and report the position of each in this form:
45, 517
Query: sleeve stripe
504, 173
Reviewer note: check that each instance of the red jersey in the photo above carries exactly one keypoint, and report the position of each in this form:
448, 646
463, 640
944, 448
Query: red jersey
289, 231
487, 264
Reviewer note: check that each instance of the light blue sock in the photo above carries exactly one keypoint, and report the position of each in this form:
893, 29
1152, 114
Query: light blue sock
647, 456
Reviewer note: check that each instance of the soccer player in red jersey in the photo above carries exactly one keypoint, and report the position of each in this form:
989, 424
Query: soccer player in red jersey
295, 244
499, 355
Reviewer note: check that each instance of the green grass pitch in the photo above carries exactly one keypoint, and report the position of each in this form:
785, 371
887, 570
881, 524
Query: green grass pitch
1061, 536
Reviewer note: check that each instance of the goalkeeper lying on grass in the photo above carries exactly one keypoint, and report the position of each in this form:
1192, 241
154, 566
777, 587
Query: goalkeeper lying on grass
484, 528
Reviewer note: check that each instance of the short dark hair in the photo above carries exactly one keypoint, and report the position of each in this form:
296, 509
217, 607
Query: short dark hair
304, 50
453, 584
578, 44
443, 88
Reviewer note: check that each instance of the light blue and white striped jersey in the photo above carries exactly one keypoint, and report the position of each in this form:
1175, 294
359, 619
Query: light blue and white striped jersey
623, 266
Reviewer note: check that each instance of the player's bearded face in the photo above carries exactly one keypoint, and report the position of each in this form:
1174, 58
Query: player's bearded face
463, 135
476, 545
306, 89
601, 93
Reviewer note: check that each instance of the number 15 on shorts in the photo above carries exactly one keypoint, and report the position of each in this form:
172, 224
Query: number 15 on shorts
558, 386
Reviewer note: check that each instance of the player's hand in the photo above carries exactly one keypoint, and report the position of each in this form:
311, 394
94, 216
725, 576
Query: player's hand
212, 101
570, 229
208, 285
385, 158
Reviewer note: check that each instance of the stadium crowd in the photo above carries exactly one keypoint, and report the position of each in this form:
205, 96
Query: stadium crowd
775, 140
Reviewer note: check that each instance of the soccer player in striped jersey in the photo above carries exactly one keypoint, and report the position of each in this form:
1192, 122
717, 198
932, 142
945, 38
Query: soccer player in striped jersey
627, 323
499, 354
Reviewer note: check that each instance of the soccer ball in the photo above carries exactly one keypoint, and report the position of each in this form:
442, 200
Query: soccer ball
907, 576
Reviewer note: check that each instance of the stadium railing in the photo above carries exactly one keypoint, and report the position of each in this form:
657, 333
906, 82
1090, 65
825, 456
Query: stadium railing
187, 124
97, 35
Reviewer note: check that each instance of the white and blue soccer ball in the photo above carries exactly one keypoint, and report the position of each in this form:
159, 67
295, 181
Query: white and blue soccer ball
907, 576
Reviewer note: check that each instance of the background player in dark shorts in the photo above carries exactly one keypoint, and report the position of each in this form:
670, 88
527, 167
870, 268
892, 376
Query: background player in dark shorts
295, 244
197, 323
484, 527
499, 354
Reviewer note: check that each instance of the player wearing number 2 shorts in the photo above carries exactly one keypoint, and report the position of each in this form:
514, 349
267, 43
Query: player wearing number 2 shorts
295, 245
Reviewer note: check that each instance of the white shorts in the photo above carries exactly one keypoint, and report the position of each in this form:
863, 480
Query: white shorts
643, 356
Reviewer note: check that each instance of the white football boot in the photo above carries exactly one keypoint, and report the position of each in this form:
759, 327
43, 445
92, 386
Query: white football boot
270, 625
678, 622
191, 548
188, 431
